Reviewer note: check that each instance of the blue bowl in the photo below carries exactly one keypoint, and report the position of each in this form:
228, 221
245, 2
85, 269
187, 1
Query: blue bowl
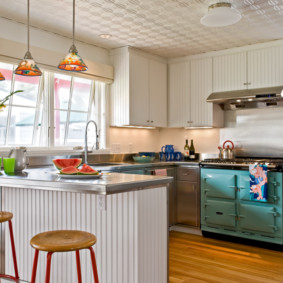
147, 153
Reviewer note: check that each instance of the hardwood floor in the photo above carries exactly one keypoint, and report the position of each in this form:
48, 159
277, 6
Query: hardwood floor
197, 259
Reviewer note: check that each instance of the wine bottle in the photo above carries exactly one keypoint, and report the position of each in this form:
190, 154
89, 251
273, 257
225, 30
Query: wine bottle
192, 150
186, 151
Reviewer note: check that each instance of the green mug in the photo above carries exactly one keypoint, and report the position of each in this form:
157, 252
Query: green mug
9, 165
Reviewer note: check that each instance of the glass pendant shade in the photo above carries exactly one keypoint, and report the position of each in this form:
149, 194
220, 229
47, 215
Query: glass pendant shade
220, 15
2, 78
73, 62
27, 67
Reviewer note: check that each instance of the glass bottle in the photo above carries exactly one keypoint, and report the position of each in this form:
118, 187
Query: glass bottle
192, 150
186, 151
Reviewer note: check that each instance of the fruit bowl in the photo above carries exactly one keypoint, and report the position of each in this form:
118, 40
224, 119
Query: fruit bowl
143, 159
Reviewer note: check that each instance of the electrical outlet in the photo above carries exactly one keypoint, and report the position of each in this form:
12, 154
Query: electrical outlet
101, 202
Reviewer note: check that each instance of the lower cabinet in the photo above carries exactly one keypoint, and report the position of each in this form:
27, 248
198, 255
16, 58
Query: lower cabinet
226, 207
187, 196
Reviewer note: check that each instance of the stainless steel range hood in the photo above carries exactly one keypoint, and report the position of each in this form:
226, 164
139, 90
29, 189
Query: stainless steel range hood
248, 98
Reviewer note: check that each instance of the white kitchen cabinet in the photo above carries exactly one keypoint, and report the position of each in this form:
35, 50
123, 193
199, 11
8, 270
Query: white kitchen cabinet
201, 88
230, 72
179, 94
265, 67
190, 83
254, 68
139, 91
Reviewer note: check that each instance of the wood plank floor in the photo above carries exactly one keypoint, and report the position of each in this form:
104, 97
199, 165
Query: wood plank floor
197, 259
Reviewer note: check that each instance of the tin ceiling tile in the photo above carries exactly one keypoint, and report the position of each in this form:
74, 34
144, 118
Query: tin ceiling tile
169, 28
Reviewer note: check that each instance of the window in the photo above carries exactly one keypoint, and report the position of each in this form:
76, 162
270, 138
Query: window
51, 112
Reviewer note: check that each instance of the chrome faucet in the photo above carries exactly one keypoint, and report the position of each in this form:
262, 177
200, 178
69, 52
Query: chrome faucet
96, 136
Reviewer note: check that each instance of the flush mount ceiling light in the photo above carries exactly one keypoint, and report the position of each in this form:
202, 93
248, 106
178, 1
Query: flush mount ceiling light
73, 62
27, 67
221, 14
2, 78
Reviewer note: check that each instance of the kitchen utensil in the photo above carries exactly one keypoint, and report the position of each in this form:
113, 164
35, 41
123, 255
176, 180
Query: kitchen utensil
177, 156
167, 148
220, 152
169, 156
143, 159
161, 156
19, 153
9, 165
228, 152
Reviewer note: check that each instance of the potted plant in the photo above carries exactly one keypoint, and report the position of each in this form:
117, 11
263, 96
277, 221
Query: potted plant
2, 102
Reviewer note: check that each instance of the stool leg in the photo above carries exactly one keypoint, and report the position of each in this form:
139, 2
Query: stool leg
79, 267
13, 249
34, 267
48, 267
94, 268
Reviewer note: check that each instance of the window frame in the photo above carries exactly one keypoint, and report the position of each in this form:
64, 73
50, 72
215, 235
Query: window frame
44, 108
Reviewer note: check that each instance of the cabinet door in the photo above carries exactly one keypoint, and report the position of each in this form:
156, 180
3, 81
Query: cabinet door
257, 218
201, 88
230, 72
220, 213
265, 67
157, 94
219, 184
179, 94
139, 90
187, 208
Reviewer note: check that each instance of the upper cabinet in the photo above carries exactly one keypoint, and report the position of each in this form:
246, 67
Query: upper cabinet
201, 112
230, 72
265, 67
139, 91
255, 68
179, 94
190, 83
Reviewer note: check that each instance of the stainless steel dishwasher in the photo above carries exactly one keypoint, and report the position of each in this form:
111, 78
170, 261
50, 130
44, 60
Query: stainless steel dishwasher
188, 196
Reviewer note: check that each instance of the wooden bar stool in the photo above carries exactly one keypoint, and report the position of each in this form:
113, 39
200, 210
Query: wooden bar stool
4, 217
63, 241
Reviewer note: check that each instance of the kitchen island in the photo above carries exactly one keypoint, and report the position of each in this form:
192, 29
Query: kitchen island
127, 213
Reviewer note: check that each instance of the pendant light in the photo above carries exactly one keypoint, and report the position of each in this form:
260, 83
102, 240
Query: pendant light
221, 14
73, 61
2, 78
27, 66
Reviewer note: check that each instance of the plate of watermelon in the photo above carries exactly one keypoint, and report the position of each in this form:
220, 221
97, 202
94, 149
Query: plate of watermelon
69, 168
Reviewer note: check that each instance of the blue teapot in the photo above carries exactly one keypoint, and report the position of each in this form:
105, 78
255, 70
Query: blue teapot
167, 148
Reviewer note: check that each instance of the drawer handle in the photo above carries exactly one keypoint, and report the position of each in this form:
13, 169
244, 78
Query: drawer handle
274, 227
219, 213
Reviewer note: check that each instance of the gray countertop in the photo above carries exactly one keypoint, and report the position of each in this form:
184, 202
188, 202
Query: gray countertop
108, 183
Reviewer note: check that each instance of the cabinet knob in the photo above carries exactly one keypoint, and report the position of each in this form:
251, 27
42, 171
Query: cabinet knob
147, 120
151, 121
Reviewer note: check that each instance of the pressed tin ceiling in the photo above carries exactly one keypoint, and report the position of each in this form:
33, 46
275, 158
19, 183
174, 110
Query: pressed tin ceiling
169, 28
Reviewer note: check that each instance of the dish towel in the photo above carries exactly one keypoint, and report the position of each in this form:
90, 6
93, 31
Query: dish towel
258, 182
160, 172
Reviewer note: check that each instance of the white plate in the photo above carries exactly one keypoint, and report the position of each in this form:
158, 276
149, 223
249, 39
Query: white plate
79, 176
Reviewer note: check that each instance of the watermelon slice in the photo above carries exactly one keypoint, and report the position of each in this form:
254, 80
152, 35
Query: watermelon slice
71, 170
87, 170
64, 163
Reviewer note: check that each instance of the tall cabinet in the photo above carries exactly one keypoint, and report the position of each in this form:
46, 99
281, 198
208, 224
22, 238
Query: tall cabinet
139, 91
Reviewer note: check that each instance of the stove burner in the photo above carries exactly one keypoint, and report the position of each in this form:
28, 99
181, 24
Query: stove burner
243, 162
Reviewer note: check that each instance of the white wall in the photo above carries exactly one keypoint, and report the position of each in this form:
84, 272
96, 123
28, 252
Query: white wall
125, 140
